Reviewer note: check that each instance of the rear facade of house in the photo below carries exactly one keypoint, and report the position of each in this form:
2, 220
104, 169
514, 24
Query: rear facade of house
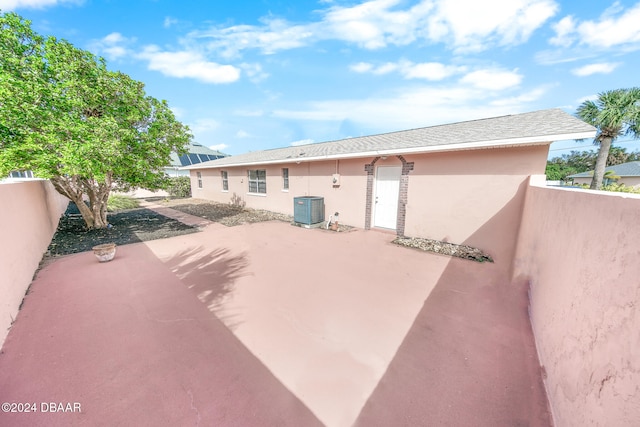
462, 183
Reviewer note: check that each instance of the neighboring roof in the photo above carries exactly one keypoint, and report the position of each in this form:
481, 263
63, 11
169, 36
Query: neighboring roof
622, 170
538, 127
196, 153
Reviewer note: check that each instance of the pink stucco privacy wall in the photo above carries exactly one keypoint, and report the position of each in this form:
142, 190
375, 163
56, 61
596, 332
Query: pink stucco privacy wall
30, 215
579, 251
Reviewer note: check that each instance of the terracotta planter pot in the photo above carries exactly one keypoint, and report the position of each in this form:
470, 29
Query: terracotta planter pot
105, 252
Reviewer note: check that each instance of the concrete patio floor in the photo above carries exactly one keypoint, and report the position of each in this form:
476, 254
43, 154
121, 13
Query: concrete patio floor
273, 325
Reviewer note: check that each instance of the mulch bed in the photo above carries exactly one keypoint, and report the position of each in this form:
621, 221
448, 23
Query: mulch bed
127, 226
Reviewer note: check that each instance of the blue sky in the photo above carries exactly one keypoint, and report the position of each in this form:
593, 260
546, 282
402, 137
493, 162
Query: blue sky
252, 75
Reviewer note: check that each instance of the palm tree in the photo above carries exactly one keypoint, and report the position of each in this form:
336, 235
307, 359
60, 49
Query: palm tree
615, 113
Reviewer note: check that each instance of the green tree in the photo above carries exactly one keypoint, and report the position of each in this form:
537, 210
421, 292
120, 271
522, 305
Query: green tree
581, 161
614, 113
558, 171
617, 156
69, 119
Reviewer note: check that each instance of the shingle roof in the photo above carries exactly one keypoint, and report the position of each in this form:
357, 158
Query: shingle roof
196, 153
543, 126
621, 170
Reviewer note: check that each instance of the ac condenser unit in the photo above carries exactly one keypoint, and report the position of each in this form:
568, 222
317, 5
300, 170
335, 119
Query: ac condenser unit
308, 210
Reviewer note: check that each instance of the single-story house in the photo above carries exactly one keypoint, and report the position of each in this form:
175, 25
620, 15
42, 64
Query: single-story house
463, 182
196, 153
624, 173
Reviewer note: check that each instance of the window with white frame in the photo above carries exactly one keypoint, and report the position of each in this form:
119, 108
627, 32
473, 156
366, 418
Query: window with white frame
199, 175
257, 181
285, 178
225, 180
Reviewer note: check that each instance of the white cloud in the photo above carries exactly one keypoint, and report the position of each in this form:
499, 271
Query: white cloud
564, 32
302, 142
204, 125
218, 147
615, 27
242, 134
361, 67
415, 108
8, 5
464, 24
274, 35
169, 22
599, 68
432, 71
254, 72
113, 46
472, 25
373, 24
523, 98
188, 64
495, 79
180, 64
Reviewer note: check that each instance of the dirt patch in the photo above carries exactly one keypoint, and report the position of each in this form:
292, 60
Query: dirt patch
231, 215
444, 248
127, 226
225, 214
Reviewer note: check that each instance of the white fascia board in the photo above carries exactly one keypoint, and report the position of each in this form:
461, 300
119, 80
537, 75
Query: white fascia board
510, 142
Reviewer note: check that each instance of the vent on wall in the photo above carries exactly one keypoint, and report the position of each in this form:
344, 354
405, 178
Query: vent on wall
308, 210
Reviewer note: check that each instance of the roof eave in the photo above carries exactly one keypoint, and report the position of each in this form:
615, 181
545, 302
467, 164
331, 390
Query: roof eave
511, 142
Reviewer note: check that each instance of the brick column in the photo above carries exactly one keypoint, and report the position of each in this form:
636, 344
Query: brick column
370, 169
403, 196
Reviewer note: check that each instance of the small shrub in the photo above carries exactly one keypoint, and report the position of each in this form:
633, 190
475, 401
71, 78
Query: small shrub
621, 188
118, 202
179, 187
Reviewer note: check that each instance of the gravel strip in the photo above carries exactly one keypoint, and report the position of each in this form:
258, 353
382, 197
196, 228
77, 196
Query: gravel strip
444, 248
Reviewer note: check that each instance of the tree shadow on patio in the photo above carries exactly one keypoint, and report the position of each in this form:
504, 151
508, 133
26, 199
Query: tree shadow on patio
211, 276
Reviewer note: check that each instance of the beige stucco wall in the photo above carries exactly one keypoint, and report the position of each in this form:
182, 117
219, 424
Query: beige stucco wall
580, 251
472, 197
305, 179
29, 218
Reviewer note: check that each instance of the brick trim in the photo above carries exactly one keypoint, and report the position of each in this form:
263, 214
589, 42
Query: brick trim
402, 197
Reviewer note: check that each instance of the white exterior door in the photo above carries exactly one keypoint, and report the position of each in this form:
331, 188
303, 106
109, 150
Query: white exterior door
386, 197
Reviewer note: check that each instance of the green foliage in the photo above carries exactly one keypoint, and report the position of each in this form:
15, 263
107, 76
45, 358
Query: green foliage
68, 118
558, 168
614, 113
558, 171
179, 186
118, 202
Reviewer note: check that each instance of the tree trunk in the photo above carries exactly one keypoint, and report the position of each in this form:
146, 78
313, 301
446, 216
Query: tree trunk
601, 163
77, 189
